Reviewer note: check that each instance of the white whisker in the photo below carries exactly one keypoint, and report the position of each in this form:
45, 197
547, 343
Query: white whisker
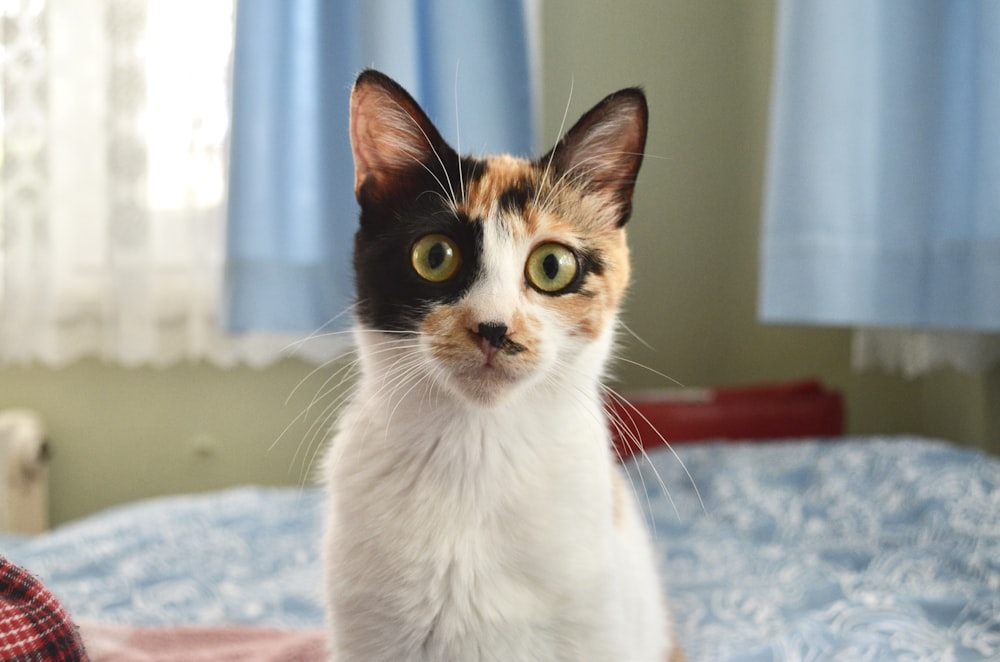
458, 135
648, 369
294, 345
623, 462
317, 432
630, 435
444, 170
635, 335
577, 173
630, 407
562, 127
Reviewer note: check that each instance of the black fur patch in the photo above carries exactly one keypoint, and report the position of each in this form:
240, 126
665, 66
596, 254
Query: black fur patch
591, 261
516, 198
473, 170
391, 295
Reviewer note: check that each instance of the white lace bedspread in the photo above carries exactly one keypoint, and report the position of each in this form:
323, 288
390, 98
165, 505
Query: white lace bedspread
857, 550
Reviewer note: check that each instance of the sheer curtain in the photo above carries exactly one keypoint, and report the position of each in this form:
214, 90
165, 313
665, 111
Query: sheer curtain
883, 207
116, 156
115, 123
292, 211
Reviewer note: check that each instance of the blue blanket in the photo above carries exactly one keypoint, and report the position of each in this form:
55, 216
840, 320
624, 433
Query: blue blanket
857, 550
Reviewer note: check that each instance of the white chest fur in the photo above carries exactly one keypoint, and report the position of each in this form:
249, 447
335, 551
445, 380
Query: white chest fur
459, 533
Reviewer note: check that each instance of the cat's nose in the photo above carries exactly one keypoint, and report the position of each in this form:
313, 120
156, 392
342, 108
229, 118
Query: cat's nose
494, 332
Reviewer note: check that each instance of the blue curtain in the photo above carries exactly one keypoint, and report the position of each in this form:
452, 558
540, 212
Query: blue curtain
292, 212
882, 205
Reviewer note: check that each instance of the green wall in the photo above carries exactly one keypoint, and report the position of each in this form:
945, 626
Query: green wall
121, 434
706, 69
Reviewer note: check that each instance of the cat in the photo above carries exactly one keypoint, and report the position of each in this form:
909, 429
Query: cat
476, 512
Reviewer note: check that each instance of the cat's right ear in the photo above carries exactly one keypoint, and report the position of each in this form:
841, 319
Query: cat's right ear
603, 151
394, 143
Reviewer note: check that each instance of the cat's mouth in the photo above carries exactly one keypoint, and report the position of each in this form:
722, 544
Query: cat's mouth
491, 351
487, 372
484, 362
487, 384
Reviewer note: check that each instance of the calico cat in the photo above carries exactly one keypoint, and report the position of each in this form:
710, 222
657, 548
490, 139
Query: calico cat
476, 512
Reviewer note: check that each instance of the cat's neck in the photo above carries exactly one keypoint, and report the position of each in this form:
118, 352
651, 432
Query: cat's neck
549, 419
414, 403
389, 378
473, 460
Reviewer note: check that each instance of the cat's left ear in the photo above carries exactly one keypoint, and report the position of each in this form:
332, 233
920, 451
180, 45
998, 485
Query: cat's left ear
395, 145
603, 150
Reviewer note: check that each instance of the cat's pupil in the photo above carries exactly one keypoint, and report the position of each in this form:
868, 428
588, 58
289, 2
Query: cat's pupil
550, 265
437, 255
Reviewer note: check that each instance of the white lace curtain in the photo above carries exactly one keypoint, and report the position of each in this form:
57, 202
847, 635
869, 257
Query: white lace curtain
115, 122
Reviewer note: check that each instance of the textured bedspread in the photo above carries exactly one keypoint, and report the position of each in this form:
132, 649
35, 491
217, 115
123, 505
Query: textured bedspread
854, 550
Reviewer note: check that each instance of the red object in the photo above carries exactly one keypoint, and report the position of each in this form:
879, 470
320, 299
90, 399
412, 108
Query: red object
33, 625
770, 411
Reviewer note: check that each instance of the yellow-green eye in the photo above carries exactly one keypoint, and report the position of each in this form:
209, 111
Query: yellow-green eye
436, 258
551, 268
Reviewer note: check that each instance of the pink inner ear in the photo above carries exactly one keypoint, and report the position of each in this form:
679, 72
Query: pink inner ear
389, 133
360, 141
603, 151
609, 152
368, 135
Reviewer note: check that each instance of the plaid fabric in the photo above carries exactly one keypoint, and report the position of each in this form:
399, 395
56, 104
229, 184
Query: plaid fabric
33, 625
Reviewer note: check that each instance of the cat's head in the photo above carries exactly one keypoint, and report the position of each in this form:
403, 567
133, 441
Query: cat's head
496, 272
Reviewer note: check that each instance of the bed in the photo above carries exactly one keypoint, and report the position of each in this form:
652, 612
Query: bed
817, 549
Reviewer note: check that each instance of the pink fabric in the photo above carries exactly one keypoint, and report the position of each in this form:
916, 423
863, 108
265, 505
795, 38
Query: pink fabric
122, 643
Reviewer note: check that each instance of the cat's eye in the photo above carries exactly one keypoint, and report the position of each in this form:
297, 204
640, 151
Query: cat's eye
436, 258
551, 268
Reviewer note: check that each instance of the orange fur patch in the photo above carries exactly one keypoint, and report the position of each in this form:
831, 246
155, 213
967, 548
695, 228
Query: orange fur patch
503, 173
558, 211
